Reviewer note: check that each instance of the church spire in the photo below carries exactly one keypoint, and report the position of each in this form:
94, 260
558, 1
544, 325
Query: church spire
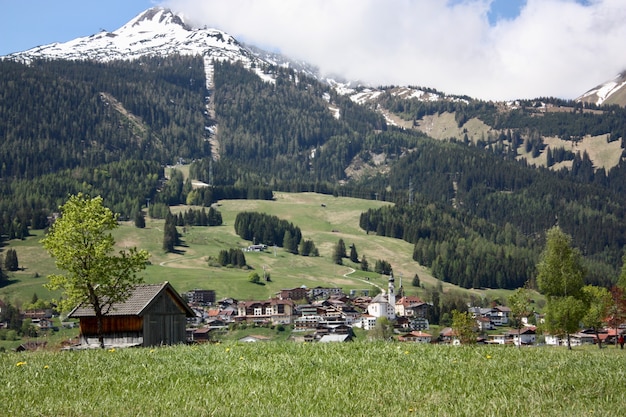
391, 293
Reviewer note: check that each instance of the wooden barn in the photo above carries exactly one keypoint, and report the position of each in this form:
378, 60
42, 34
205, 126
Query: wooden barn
154, 314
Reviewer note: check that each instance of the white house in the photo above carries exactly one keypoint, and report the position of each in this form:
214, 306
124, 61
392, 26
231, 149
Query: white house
526, 336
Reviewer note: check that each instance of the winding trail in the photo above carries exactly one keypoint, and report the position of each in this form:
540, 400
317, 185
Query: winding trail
352, 271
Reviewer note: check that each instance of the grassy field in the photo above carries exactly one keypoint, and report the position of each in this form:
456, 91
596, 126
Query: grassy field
301, 379
189, 268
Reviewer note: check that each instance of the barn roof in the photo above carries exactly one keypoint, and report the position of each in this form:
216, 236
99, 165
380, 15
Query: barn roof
142, 296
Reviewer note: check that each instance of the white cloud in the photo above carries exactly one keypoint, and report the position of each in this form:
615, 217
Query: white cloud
553, 48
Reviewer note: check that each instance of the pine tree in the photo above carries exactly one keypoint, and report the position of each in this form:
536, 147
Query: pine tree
10, 260
354, 256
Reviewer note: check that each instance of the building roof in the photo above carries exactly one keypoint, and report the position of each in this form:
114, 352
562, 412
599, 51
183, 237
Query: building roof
334, 337
141, 297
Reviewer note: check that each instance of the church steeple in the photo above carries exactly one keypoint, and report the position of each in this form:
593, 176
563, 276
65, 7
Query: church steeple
391, 293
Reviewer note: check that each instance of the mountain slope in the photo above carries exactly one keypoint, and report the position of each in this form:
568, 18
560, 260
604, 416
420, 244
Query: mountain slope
610, 92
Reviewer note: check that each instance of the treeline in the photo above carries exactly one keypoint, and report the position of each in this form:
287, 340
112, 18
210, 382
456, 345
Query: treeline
267, 229
468, 252
467, 198
124, 185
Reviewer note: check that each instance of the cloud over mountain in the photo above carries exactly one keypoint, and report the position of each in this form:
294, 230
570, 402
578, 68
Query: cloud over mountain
552, 48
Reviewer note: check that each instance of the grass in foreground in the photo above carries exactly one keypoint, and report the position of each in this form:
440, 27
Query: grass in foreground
299, 379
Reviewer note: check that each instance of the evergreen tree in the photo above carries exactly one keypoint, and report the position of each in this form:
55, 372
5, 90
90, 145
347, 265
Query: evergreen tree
354, 257
10, 260
364, 264
140, 220
339, 252
170, 234
416, 281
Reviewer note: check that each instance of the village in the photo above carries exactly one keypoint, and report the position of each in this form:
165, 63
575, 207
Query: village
329, 315
156, 314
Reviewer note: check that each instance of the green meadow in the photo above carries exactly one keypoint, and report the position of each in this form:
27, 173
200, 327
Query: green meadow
301, 379
322, 218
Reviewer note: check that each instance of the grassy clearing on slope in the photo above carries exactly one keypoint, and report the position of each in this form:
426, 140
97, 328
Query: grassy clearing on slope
301, 379
189, 268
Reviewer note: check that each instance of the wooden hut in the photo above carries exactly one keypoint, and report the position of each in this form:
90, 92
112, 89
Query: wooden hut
154, 314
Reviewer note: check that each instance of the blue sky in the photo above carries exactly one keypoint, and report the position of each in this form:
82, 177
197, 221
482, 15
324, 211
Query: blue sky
491, 49
30, 23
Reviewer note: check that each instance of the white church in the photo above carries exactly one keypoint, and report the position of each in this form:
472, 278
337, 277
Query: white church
384, 305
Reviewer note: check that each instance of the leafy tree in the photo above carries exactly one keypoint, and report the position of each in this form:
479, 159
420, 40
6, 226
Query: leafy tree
519, 303
254, 278
560, 279
599, 301
10, 260
463, 325
82, 245
383, 330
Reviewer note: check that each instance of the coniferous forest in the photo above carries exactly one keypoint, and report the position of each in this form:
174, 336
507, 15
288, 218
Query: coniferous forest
476, 214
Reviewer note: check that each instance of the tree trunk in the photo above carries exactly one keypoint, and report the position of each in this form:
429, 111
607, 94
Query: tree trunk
99, 329
569, 344
598, 337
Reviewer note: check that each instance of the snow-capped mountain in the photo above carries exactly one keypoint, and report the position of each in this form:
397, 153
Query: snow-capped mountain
610, 92
156, 31
160, 32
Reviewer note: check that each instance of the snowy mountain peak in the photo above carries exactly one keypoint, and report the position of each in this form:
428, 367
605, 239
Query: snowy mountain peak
155, 32
156, 16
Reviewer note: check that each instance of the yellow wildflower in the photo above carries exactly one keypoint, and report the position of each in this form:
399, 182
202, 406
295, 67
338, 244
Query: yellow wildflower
112, 350
20, 363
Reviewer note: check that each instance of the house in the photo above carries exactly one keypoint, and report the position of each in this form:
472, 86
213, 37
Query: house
416, 337
365, 322
322, 292
299, 293
497, 339
526, 336
484, 324
411, 306
201, 297
499, 315
202, 334
274, 311
154, 314
448, 335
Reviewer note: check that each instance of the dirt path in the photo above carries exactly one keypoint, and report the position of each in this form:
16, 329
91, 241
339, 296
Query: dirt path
352, 271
